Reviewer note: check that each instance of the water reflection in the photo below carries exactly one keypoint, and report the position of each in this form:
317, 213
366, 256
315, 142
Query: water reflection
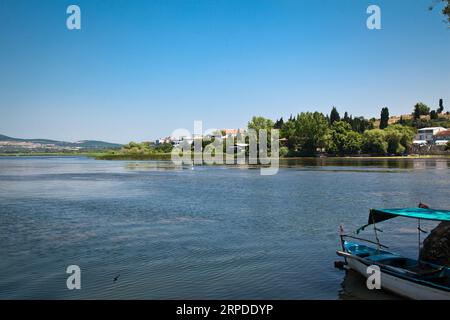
394, 163
155, 166
200, 232
319, 163
354, 288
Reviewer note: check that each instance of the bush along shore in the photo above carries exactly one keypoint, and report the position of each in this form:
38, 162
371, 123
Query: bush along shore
139, 151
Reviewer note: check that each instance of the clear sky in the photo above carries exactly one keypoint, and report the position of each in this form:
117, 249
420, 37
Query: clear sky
137, 70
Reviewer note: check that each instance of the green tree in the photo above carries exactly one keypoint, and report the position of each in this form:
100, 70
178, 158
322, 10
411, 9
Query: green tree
164, 148
399, 138
408, 134
393, 138
359, 124
441, 106
145, 145
336, 136
346, 117
284, 151
353, 143
131, 146
288, 131
258, 123
445, 9
384, 118
334, 116
421, 109
343, 140
278, 124
311, 131
433, 115
374, 142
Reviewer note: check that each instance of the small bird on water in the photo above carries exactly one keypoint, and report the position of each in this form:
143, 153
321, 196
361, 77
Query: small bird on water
116, 278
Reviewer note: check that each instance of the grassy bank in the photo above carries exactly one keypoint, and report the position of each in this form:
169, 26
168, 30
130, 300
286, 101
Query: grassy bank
135, 156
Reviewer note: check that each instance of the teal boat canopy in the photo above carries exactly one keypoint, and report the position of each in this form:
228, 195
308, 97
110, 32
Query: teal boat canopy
379, 215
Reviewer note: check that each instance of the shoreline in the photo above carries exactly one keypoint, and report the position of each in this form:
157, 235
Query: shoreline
167, 156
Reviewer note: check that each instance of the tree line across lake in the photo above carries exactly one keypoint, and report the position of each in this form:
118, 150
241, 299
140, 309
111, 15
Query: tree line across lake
311, 132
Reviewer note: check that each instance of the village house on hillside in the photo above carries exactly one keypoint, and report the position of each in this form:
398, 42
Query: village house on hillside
222, 133
430, 135
442, 137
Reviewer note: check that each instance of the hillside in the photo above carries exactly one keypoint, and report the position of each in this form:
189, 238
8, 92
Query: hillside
10, 144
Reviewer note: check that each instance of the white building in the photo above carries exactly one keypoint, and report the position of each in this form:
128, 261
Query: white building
426, 135
163, 140
442, 137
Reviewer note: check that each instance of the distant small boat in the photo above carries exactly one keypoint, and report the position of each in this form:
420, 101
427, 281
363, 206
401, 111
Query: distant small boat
410, 278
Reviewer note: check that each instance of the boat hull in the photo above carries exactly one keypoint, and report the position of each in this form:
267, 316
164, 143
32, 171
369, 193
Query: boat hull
399, 286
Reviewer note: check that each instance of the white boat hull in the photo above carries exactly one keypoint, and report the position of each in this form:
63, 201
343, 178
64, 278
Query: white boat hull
401, 286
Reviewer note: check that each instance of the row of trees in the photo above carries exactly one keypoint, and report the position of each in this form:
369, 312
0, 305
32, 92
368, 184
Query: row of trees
358, 124
423, 116
421, 109
310, 132
394, 139
146, 148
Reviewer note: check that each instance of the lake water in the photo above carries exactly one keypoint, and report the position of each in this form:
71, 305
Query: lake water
208, 232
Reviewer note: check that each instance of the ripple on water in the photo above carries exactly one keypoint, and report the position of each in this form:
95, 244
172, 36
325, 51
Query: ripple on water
207, 233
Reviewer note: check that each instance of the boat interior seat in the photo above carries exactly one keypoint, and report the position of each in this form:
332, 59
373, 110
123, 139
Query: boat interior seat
388, 258
413, 267
424, 269
361, 251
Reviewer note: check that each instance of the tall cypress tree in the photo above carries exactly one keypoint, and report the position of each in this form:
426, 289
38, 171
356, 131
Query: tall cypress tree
346, 117
278, 124
441, 106
384, 119
334, 116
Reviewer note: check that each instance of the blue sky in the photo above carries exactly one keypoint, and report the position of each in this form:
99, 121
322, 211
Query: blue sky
140, 69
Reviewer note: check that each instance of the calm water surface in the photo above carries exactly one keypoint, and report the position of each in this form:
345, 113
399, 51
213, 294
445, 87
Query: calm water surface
199, 233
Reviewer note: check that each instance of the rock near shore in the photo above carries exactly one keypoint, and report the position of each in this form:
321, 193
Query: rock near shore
436, 247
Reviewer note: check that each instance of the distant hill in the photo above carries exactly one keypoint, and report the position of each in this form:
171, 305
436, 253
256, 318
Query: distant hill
6, 138
96, 144
16, 144
44, 141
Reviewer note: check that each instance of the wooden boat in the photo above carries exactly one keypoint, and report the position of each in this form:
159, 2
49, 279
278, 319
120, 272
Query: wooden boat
410, 278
